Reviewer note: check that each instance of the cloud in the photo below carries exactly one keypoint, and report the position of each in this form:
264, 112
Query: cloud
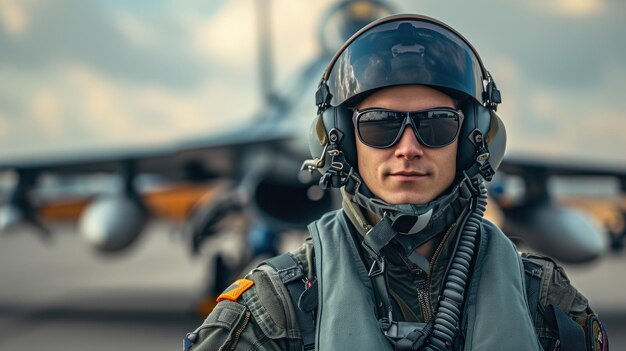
561, 50
604, 125
118, 45
134, 29
76, 107
230, 36
580, 124
4, 125
570, 8
14, 17
48, 113
114, 112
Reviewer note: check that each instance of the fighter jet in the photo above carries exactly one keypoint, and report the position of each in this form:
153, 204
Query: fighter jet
254, 171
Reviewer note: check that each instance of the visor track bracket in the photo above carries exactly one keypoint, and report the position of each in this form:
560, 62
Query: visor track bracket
492, 95
323, 96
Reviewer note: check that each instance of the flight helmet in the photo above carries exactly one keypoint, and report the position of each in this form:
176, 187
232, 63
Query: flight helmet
404, 50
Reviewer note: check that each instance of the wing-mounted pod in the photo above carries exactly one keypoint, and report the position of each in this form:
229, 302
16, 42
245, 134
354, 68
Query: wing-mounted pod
112, 223
530, 215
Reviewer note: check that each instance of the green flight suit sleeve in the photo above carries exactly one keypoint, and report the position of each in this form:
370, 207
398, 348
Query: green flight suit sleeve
262, 318
230, 326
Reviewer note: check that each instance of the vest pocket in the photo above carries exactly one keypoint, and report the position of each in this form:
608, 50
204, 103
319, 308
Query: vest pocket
268, 304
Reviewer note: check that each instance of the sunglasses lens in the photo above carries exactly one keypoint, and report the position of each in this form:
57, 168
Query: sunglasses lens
438, 128
380, 128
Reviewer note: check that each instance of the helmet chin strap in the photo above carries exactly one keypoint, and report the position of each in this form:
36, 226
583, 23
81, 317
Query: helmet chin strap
411, 225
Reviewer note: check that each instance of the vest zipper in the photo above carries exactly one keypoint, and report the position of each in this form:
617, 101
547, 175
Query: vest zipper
424, 299
428, 280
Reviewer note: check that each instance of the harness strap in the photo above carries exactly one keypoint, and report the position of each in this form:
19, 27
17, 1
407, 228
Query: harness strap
533, 285
405, 336
571, 335
291, 274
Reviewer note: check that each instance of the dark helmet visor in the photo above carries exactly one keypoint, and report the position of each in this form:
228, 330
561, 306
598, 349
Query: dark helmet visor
405, 51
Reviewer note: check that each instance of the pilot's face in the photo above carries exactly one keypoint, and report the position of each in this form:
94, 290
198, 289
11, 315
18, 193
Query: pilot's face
407, 172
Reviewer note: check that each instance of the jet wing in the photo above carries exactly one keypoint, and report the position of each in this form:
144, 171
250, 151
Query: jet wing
199, 158
521, 164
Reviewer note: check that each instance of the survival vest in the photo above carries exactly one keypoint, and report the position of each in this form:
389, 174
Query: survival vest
338, 312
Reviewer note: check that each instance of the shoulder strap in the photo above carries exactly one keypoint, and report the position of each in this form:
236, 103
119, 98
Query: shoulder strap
292, 275
533, 274
571, 336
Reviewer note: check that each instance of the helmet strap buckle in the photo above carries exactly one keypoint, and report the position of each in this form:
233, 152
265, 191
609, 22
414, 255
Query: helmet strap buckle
486, 171
339, 173
335, 176
353, 182
482, 165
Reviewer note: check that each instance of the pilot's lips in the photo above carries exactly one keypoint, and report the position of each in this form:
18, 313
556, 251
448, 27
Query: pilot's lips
407, 176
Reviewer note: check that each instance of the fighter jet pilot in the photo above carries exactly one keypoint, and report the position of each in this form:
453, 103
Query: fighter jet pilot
407, 129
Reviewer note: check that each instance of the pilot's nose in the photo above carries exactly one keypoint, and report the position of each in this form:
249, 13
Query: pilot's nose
408, 146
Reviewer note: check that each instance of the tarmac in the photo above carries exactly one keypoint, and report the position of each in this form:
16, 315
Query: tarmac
63, 296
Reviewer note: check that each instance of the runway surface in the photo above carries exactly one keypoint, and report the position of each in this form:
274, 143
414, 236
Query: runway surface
64, 297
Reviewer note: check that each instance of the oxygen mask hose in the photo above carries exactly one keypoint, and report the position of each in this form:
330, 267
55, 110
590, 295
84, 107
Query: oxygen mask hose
450, 305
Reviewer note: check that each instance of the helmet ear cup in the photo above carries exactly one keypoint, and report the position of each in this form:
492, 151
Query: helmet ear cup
317, 141
486, 121
340, 118
496, 140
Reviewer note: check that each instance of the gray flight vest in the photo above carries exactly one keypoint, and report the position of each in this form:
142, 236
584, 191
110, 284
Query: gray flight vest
495, 317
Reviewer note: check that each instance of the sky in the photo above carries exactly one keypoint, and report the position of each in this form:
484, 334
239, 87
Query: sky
91, 76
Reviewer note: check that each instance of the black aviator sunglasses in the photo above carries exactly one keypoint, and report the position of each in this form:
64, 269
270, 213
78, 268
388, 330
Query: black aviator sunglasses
381, 128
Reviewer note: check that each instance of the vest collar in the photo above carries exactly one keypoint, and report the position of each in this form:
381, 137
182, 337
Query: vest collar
416, 224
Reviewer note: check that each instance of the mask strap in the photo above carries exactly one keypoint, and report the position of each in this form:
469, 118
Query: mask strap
378, 237
375, 239
413, 219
